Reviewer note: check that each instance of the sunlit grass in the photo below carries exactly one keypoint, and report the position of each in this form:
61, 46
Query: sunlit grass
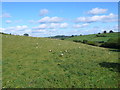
27, 64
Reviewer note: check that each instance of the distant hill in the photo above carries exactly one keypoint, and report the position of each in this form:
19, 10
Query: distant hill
97, 39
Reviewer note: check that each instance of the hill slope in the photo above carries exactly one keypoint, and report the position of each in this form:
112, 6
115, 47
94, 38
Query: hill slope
92, 37
28, 62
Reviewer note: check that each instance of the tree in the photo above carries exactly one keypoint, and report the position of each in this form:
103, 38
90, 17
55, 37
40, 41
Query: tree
110, 31
104, 31
26, 34
72, 36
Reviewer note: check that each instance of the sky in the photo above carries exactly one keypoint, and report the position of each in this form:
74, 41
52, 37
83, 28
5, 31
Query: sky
43, 19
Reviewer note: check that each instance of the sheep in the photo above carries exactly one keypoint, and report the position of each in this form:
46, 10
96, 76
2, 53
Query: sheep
50, 50
59, 44
66, 51
61, 54
37, 43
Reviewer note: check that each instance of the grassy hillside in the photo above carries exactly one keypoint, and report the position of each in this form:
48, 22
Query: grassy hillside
93, 37
29, 62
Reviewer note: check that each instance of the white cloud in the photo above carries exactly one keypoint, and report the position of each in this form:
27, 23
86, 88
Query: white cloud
41, 26
2, 29
43, 12
80, 25
8, 21
5, 15
63, 25
19, 30
54, 25
103, 18
97, 11
50, 20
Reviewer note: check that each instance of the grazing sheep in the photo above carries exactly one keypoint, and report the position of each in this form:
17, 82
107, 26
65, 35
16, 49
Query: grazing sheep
37, 43
66, 51
36, 47
50, 50
61, 54
59, 44
78, 47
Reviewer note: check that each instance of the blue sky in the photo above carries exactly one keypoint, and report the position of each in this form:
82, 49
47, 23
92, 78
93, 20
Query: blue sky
42, 19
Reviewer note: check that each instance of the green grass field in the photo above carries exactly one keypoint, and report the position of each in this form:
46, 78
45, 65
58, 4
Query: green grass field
28, 63
92, 37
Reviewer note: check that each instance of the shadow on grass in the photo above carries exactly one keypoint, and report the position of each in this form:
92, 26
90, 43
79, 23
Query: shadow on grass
115, 50
112, 66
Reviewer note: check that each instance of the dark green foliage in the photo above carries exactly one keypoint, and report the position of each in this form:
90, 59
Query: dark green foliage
100, 36
62, 38
77, 41
72, 36
104, 31
111, 31
112, 43
92, 43
100, 41
85, 41
26, 34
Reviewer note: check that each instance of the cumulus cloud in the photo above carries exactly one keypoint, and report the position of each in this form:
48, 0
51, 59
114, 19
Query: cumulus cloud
53, 25
5, 15
80, 25
103, 18
97, 11
50, 20
41, 26
19, 30
43, 12
8, 21
2, 29
63, 25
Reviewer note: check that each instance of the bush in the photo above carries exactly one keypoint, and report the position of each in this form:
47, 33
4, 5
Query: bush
111, 31
104, 31
62, 38
85, 41
92, 43
100, 41
112, 43
100, 36
26, 34
77, 41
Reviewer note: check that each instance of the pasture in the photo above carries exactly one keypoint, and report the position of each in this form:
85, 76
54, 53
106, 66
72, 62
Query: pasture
31, 62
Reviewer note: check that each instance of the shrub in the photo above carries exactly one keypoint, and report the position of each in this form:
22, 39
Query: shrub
77, 41
112, 43
85, 41
92, 43
104, 31
111, 31
62, 38
100, 36
100, 41
26, 34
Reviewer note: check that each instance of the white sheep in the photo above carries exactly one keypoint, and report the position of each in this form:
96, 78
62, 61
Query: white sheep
61, 54
50, 50
66, 51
